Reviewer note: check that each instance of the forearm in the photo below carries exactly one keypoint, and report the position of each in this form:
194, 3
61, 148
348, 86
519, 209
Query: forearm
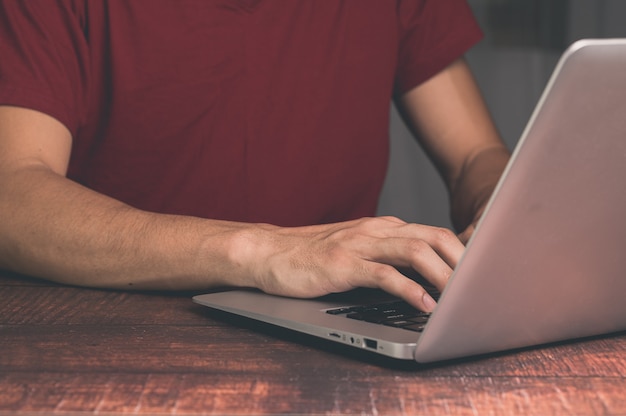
64, 232
454, 126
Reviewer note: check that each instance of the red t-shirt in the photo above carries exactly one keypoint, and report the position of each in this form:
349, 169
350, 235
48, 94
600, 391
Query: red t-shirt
251, 110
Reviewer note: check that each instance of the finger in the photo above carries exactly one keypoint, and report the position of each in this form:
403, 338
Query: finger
414, 253
444, 241
387, 278
427, 262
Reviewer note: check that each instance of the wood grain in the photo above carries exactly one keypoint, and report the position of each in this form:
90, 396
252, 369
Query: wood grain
73, 350
317, 393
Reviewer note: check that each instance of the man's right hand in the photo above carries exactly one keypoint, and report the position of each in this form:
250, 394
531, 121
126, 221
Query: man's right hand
322, 259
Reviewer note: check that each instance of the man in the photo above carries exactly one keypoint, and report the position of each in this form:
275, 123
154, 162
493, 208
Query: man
190, 144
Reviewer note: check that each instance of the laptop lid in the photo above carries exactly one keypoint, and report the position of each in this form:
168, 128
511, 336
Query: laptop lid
548, 251
545, 262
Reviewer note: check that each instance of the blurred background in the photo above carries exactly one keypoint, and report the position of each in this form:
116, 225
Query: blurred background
523, 42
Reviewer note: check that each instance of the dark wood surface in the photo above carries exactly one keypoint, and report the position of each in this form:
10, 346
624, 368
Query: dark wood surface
73, 350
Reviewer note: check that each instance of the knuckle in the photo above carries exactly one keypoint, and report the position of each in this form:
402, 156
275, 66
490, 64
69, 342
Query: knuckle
418, 247
383, 272
377, 222
391, 218
367, 223
444, 235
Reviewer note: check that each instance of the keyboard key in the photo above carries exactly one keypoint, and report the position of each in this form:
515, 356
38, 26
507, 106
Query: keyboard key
415, 327
398, 314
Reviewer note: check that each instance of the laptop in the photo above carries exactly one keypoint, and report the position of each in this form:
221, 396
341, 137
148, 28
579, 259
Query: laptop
547, 261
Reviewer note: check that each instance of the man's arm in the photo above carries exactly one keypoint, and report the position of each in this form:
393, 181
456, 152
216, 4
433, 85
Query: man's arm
456, 130
57, 229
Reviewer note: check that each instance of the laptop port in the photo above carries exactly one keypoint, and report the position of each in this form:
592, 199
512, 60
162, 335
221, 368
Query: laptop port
370, 343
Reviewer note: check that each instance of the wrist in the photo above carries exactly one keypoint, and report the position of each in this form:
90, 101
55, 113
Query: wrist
248, 250
475, 185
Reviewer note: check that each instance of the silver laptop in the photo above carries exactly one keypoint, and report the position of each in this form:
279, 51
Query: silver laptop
547, 261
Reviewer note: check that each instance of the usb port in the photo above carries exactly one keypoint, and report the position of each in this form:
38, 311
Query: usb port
370, 343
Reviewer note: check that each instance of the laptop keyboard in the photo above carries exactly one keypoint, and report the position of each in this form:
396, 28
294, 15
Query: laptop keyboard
398, 314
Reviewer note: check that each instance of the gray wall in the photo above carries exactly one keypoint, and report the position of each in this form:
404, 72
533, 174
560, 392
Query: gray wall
523, 41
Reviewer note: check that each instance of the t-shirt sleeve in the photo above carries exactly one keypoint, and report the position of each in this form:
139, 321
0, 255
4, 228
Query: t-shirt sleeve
44, 59
433, 34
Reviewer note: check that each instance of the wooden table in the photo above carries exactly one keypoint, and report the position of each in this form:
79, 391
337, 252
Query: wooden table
73, 350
